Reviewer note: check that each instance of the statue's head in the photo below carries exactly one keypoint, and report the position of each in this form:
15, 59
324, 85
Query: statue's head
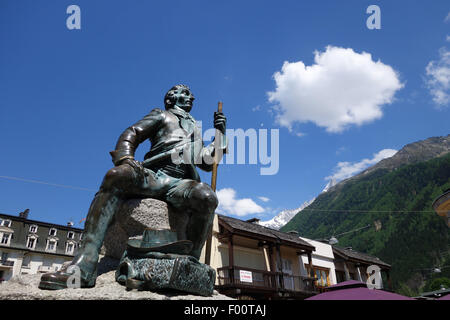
180, 96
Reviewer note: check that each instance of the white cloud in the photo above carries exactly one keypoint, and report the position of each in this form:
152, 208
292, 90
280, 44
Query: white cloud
438, 78
342, 88
230, 205
346, 170
264, 199
447, 18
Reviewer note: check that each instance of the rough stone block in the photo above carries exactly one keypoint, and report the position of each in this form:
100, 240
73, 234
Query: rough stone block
25, 287
134, 216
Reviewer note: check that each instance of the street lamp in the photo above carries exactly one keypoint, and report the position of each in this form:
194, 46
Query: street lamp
333, 240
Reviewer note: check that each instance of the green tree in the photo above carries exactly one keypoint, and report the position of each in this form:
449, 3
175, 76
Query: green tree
437, 284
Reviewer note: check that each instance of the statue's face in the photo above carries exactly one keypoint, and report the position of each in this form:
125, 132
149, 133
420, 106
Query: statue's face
184, 99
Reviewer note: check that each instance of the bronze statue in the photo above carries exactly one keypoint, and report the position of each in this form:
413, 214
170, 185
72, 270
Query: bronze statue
157, 177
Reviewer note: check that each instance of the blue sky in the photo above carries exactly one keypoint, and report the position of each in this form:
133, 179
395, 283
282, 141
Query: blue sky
66, 95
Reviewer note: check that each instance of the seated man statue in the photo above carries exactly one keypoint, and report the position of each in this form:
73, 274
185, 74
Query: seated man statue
158, 176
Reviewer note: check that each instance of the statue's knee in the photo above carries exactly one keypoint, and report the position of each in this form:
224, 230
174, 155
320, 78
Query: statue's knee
115, 177
204, 197
110, 179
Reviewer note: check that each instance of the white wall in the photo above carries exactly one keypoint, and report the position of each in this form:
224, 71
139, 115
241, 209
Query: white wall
249, 258
29, 262
14, 256
322, 257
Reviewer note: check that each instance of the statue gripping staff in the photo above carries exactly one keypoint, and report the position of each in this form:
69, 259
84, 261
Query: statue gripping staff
158, 176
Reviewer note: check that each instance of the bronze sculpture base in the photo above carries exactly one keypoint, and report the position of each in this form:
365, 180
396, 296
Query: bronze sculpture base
159, 261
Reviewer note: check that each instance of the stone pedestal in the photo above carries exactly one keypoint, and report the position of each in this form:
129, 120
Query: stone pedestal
134, 216
154, 271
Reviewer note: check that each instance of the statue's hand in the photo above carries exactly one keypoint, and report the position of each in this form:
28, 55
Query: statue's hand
220, 122
136, 165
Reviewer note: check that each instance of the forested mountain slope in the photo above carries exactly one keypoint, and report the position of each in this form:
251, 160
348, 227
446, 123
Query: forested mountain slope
397, 197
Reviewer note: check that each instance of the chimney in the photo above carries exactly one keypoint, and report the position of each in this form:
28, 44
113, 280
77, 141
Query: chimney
253, 220
24, 214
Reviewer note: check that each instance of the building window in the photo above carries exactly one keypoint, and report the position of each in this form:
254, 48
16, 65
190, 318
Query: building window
31, 242
6, 223
26, 262
33, 228
81, 236
70, 235
69, 248
51, 245
52, 232
286, 266
5, 239
4, 256
322, 276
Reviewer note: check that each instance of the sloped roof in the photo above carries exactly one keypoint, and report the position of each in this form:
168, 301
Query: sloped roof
350, 254
39, 223
240, 226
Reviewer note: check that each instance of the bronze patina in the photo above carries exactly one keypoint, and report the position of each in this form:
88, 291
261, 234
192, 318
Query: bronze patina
158, 176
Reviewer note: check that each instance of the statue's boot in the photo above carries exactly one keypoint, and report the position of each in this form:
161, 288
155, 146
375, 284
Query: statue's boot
197, 232
100, 215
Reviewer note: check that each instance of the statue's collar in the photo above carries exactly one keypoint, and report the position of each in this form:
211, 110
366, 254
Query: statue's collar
180, 113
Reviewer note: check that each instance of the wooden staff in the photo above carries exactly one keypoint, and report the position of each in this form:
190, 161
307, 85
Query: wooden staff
217, 145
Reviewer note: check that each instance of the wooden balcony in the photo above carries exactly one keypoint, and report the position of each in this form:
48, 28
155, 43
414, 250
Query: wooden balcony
268, 284
265, 280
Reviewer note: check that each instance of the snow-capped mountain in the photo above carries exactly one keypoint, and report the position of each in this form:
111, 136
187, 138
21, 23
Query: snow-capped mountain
284, 216
329, 185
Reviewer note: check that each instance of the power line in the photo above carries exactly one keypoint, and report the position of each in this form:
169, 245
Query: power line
368, 211
333, 240
340, 234
46, 183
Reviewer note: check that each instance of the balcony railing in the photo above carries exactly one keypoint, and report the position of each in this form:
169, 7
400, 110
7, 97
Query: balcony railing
298, 283
260, 279
6, 263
